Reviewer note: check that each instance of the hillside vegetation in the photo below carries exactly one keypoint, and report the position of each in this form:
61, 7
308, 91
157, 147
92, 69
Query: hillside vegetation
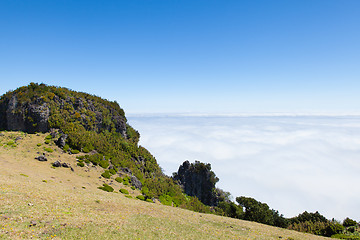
39, 201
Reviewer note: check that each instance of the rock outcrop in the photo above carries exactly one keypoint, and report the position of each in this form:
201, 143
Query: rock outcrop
135, 182
198, 180
28, 117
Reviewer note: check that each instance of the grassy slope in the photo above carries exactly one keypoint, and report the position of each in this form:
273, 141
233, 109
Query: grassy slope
68, 205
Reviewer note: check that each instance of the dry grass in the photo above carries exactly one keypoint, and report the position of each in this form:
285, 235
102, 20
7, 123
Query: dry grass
40, 202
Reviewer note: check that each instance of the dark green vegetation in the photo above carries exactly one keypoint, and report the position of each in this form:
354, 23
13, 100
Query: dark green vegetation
98, 129
107, 188
317, 224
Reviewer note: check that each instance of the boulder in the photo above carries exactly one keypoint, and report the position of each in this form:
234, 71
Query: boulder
136, 182
41, 158
62, 140
57, 164
65, 165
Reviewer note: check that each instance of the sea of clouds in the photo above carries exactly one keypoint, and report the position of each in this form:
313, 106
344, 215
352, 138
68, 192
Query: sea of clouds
292, 163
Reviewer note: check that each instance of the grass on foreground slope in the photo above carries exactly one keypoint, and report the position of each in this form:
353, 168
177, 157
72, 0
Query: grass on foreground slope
41, 202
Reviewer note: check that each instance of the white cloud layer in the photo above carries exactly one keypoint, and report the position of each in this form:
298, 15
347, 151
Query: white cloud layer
292, 163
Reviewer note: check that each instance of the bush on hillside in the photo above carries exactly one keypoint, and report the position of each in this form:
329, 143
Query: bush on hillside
106, 174
124, 191
74, 151
81, 164
49, 150
106, 188
140, 197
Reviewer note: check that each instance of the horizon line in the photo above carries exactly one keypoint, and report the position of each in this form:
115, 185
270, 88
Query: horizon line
274, 114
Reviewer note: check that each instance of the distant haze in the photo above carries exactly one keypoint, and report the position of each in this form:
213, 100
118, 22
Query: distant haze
294, 164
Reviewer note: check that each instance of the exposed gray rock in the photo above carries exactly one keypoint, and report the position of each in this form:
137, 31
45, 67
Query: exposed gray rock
61, 142
57, 164
136, 182
41, 158
28, 117
126, 170
65, 165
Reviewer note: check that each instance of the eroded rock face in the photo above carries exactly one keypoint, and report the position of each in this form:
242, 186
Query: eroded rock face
198, 180
29, 117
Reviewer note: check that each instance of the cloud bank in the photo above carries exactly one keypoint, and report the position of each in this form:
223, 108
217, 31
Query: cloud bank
292, 163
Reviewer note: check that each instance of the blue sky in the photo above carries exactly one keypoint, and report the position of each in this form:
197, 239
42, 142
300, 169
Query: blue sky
189, 56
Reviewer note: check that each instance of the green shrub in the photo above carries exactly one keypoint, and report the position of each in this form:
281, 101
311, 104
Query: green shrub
149, 200
104, 164
80, 164
166, 200
112, 171
48, 150
10, 143
106, 174
141, 197
132, 187
47, 141
124, 191
106, 188
119, 179
126, 180
86, 150
74, 151
80, 157
128, 196
48, 137
39, 144
66, 148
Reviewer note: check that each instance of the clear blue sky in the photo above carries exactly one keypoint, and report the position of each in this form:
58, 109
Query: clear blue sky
189, 56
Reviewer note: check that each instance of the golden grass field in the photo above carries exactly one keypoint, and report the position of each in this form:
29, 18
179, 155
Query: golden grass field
38, 201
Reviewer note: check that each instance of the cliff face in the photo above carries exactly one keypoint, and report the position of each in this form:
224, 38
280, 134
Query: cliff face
198, 180
36, 108
28, 117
